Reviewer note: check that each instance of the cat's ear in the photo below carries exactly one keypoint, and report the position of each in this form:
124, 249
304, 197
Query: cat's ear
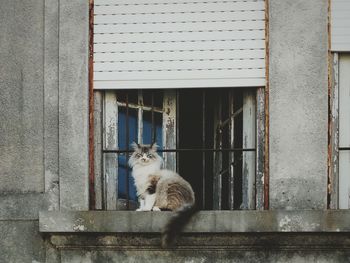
135, 146
154, 146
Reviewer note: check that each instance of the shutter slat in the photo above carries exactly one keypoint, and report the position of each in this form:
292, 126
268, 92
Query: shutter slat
179, 17
214, 25
211, 44
176, 64
163, 2
183, 74
176, 55
175, 36
180, 83
174, 44
177, 8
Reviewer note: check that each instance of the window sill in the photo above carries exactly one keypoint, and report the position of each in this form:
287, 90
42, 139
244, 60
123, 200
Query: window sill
203, 222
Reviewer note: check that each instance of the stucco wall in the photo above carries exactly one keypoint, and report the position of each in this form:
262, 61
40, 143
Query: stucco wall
298, 104
22, 169
21, 100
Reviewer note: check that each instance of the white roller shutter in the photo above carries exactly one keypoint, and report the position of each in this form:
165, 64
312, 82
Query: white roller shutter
179, 44
340, 23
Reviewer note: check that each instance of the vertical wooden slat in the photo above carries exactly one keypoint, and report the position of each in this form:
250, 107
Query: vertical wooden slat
334, 136
260, 146
169, 128
177, 143
111, 142
248, 161
153, 127
140, 117
204, 112
98, 182
267, 113
231, 154
127, 135
217, 182
344, 131
92, 198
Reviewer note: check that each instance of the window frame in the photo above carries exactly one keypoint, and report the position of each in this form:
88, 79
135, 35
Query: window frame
334, 175
262, 126
106, 145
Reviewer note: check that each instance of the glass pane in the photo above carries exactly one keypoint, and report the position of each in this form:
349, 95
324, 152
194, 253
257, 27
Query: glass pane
157, 98
157, 128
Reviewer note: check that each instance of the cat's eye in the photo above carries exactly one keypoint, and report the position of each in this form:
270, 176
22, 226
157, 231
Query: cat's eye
138, 155
150, 156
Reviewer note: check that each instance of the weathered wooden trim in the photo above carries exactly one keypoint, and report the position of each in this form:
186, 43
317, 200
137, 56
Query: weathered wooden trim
334, 136
111, 142
260, 147
231, 155
169, 128
92, 197
139, 116
217, 167
344, 132
267, 113
248, 160
98, 145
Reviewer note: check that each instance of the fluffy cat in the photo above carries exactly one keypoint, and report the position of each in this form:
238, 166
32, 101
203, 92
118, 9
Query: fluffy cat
160, 189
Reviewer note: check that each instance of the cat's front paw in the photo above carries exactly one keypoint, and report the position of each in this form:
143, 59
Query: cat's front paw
142, 209
156, 208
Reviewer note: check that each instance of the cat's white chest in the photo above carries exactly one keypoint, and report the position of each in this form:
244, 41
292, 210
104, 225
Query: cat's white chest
141, 174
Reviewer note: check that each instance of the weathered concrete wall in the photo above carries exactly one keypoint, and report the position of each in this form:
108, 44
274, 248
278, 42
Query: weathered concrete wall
22, 173
21, 96
21, 242
201, 256
233, 247
43, 120
73, 104
298, 104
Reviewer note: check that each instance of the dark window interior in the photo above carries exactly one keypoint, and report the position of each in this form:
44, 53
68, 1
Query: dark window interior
196, 113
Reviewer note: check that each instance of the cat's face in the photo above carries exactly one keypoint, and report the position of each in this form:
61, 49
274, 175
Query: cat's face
144, 154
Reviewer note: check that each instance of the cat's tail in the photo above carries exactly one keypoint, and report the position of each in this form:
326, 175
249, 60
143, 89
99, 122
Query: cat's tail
176, 224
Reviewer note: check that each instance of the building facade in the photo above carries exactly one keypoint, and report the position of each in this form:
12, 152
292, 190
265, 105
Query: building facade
47, 211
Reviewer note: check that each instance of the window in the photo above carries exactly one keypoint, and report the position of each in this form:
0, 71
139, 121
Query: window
340, 133
190, 76
209, 136
339, 143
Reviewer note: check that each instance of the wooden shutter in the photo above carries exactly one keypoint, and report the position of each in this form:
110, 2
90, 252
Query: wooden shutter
340, 23
179, 44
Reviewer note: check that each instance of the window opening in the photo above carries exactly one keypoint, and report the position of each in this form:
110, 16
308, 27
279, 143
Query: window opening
207, 135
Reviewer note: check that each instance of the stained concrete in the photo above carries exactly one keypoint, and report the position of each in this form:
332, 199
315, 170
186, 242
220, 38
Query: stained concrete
203, 222
298, 104
21, 96
214, 247
73, 104
21, 242
201, 256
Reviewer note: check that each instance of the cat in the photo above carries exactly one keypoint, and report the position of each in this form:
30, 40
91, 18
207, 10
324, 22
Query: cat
160, 189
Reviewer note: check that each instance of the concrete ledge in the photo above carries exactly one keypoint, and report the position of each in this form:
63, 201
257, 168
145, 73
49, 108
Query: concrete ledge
203, 222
